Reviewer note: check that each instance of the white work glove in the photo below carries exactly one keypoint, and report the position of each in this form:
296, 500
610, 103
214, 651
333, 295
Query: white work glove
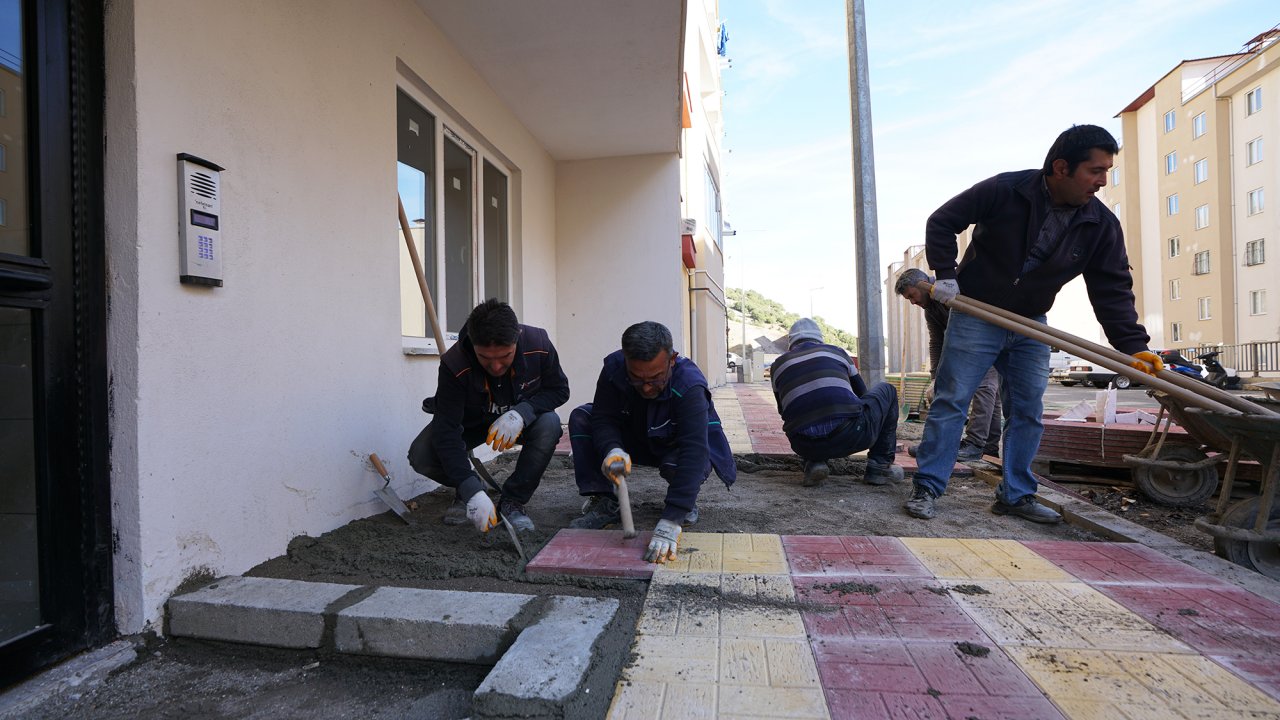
481, 513
504, 431
663, 545
928, 392
616, 465
944, 291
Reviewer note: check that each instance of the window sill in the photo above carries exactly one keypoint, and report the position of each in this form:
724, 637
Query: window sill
424, 346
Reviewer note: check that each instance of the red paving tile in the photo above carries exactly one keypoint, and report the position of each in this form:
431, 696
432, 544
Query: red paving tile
866, 557
1216, 621
596, 553
1126, 563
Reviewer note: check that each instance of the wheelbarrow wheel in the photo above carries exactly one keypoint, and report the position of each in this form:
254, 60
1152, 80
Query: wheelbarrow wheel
1257, 555
1181, 487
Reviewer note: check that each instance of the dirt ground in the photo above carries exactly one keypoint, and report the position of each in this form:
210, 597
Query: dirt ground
182, 678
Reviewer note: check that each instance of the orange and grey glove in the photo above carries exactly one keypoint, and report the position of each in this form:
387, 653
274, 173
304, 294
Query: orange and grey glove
616, 465
481, 513
1147, 361
504, 431
944, 291
666, 536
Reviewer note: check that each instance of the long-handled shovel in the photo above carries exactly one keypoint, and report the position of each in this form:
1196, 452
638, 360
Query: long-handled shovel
386, 493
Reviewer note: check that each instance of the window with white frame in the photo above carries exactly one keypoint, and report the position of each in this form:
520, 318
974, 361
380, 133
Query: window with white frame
1175, 332
1253, 151
1202, 170
1203, 309
1201, 265
1199, 124
1170, 121
1171, 204
1257, 302
715, 223
456, 197
1253, 101
1115, 176
1175, 246
1255, 252
1256, 201
1202, 217
1171, 163
1175, 289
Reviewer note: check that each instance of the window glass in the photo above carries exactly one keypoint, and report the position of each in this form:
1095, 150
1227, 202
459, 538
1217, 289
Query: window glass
459, 233
1198, 125
415, 181
496, 237
1202, 170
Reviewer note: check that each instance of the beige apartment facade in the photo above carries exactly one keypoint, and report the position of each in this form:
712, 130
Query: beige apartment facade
1189, 187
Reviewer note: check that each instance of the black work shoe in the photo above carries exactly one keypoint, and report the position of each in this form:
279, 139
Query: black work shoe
456, 513
514, 513
921, 503
597, 512
815, 473
992, 451
692, 517
878, 474
913, 448
1027, 509
968, 452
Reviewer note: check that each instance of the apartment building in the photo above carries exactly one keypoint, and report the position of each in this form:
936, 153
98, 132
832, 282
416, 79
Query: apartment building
1189, 186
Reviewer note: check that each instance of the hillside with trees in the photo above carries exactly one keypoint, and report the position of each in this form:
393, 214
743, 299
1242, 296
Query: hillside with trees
768, 313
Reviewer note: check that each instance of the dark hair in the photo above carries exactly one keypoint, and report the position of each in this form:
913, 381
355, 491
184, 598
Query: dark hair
493, 322
1074, 144
644, 340
909, 278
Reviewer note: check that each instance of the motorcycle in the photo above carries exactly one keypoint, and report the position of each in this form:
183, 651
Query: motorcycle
1217, 375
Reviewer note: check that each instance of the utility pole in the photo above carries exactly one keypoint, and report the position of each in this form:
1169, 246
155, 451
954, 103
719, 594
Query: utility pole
866, 233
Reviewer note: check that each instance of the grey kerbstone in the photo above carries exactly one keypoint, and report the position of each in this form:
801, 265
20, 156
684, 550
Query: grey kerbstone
546, 666
430, 624
258, 611
73, 678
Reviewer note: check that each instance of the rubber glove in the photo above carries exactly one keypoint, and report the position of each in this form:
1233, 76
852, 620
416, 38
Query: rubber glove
944, 291
928, 392
1148, 362
481, 513
663, 545
504, 431
616, 455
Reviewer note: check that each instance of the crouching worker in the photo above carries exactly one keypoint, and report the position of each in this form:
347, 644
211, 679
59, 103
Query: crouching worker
653, 408
499, 385
827, 410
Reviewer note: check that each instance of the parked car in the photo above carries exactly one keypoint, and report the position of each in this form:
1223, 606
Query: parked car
767, 369
1062, 375
1084, 373
734, 360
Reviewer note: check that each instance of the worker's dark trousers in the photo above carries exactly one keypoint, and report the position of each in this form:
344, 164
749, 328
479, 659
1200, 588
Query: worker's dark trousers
875, 430
643, 451
537, 444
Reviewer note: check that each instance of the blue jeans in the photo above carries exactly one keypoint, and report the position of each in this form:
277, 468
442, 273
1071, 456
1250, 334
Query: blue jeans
875, 430
970, 348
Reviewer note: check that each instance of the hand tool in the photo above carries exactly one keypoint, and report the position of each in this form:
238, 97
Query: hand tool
386, 493
616, 471
484, 474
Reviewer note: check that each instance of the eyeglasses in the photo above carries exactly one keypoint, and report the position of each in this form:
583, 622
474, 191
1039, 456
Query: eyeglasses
658, 380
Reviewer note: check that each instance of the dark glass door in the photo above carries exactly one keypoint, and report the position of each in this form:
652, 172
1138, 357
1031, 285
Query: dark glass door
55, 562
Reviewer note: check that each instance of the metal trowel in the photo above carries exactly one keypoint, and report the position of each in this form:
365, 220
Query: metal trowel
484, 473
386, 493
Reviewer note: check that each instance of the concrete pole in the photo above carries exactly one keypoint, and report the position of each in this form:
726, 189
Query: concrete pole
866, 233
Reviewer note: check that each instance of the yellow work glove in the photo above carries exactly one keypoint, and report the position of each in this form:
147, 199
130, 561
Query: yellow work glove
1147, 361
504, 431
616, 465
666, 536
481, 513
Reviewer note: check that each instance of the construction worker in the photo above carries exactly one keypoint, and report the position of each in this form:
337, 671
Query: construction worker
499, 385
827, 410
1034, 230
651, 407
982, 432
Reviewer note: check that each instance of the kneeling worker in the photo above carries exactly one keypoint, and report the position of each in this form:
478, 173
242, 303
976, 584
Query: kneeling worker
827, 410
651, 407
499, 385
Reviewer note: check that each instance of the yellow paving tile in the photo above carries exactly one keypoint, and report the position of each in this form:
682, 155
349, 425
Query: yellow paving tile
772, 702
637, 701
694, 701
737, 552
1061, 615
1108, 684
982, 559
791, 663
731, 418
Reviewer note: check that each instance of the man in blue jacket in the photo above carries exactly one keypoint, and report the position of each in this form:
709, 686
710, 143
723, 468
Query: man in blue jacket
1034, 230
651, 407
499, 385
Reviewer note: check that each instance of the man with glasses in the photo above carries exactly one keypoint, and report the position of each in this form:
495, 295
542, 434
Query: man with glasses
651, 407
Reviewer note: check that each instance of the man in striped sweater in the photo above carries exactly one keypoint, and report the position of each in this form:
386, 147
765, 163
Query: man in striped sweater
827, 410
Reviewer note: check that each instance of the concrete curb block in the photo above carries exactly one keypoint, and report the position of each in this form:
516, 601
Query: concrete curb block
257, 611
73, 677
448, 625
547, 665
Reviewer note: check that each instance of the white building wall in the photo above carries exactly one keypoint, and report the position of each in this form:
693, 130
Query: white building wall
1265, 125
1155, 289
618, 255
241, 415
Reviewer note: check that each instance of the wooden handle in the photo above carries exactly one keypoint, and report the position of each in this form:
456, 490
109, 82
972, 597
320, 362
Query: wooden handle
624, 509
422, 279
377, 465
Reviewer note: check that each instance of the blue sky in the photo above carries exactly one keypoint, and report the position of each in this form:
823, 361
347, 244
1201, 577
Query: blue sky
959, 91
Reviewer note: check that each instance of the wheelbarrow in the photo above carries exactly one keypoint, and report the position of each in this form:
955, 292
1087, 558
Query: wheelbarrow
1178, 473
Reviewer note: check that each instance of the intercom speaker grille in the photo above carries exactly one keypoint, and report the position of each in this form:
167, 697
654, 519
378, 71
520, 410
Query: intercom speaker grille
204, 185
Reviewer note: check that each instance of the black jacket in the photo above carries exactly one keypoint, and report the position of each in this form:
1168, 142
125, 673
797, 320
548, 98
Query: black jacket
1008, 211
467, 399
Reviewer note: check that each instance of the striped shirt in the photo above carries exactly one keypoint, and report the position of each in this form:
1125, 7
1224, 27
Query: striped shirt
814, 388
